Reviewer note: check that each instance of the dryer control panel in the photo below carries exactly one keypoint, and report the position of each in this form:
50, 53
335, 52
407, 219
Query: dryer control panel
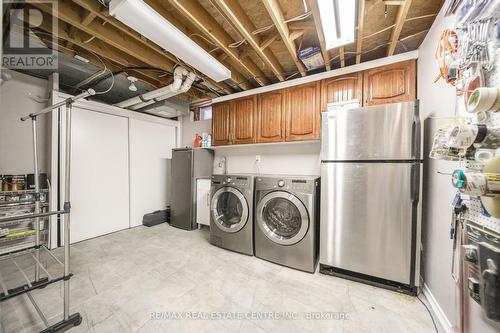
296, 184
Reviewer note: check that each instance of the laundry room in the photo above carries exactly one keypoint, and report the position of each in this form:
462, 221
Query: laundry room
267, 166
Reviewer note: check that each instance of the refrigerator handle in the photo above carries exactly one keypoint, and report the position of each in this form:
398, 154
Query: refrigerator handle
415, 133
415, 182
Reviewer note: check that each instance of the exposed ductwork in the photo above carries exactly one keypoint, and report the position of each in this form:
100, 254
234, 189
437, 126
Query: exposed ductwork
175, 88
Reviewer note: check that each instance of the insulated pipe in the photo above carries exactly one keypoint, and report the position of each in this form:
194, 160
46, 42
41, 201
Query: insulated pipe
179, 72
181, 87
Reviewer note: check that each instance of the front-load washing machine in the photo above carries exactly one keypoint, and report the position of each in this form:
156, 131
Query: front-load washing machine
231, 212
287, 220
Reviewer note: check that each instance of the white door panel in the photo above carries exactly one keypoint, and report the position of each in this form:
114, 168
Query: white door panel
99, 174
151, 147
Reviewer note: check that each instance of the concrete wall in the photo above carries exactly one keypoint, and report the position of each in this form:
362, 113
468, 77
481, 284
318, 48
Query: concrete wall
438, 101
16, 147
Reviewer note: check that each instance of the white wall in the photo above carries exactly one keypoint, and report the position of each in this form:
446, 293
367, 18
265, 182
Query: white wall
279, 159
190, 128
285, 159
439, 100
16, 140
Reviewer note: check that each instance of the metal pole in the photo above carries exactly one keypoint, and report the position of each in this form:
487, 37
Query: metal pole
67, 217
37, 197
89, 92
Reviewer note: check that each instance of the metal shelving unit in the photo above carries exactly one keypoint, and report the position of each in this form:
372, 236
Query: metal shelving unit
33, 267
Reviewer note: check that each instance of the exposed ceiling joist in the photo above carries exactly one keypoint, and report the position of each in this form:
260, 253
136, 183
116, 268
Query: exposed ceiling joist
89, 17
94, 49
400, 21
195, 13
274, 10
236, 76
342, 56
319, 28
95, 8
245, 27
269, 40
359, 30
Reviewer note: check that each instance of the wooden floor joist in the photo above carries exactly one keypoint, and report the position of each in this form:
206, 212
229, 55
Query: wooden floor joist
100, 11
313, 4
274, 11
359, 30
236, 76
245, 27
400, 21
198, 15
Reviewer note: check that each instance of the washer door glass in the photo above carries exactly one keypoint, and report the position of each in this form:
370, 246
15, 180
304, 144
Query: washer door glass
229, 209
283, 218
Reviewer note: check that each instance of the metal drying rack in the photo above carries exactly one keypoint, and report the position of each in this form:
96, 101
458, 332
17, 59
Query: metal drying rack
42, 272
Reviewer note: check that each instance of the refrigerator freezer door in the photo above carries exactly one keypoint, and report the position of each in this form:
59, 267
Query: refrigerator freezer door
366, 218
382, 132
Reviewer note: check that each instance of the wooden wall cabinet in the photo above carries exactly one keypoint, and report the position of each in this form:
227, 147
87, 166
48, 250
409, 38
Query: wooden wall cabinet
243, 119
221, 123
294, 113
342, 89
390, 84
271, 117
303, 112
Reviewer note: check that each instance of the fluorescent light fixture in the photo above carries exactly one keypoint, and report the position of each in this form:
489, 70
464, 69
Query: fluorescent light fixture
145, 20
338, 19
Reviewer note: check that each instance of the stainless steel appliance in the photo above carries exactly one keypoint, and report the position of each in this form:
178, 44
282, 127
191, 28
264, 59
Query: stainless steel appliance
287, 220
371, 182
188, 164
231, 212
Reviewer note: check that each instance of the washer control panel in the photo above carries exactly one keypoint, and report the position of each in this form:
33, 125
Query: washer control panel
239, 181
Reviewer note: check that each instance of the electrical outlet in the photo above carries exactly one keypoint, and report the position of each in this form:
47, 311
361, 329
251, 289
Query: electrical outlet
257, 158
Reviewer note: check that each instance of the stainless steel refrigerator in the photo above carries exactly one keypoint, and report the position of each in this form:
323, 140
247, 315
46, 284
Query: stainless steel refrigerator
188, 164
370, 194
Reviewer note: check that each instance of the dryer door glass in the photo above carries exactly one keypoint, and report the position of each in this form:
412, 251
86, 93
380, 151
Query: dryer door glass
283, 217
229, 209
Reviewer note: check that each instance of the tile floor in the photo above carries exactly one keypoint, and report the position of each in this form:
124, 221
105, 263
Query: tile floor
130, 281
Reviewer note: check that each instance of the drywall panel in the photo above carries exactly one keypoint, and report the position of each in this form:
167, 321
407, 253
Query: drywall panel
151, 147
99, 174
190, 128
275, 159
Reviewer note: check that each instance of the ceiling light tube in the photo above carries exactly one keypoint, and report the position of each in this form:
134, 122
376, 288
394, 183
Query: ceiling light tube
145, 20
338, 20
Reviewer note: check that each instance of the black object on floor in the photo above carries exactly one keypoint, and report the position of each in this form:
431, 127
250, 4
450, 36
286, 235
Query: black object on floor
155, 218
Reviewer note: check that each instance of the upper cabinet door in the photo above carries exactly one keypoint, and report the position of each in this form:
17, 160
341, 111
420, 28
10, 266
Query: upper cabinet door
221, 123
271, 116
243, 116
342, 89
390, 84
303, 112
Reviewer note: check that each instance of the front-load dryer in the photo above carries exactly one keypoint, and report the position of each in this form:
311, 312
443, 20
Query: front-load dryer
231, 212
287, 220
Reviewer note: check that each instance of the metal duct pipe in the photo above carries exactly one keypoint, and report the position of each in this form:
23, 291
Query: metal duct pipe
172, 89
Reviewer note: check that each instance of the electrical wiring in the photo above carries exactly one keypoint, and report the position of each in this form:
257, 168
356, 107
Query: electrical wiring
429, 312
110, 87
103, 3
